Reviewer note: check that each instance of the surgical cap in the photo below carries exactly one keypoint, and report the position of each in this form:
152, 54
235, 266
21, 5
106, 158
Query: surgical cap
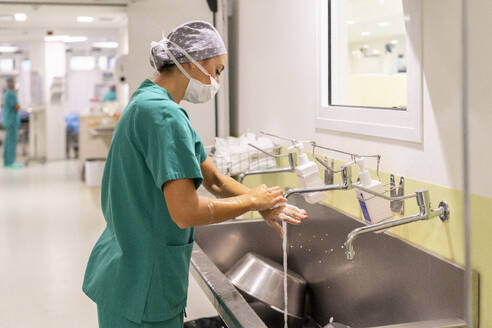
198, 38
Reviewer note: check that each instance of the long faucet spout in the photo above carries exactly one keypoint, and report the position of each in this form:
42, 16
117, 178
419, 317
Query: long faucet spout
290, 168
354, 234
290, 192
243, 175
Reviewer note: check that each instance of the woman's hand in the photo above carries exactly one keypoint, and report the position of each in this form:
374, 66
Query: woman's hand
289, 213
264, 198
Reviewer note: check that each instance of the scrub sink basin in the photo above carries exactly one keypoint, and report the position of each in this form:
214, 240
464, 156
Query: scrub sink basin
389, 284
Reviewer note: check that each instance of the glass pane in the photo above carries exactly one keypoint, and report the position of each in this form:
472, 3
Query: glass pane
103, 63
82, 63
368, 54
6, 65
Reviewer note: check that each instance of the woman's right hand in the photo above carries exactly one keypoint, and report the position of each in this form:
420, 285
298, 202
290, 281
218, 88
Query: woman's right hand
264, 198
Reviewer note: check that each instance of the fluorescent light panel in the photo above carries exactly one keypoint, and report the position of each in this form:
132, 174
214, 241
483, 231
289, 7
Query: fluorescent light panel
105, 44
20, 17
8, 49
65, 38
85, 19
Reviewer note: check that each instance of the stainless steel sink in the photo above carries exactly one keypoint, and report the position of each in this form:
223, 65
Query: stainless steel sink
389, 284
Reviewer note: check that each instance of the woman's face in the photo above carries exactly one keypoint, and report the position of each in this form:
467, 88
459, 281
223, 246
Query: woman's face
214, 66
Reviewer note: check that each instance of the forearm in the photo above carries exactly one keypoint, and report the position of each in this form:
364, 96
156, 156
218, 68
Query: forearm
225, 186
209, 210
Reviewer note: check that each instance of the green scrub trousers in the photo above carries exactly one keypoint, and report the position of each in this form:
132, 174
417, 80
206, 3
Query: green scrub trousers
137, 273
109, 319
11, 124
10, 147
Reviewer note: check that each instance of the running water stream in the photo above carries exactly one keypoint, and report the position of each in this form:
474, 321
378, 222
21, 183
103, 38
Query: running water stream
284, 248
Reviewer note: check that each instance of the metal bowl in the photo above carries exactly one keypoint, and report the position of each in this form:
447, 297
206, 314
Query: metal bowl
263, 279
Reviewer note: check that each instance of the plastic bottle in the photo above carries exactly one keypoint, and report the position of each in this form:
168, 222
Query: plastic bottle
308, 173
375, 209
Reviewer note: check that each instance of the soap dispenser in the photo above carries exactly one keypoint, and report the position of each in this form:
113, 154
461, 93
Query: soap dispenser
308, 173
375, 209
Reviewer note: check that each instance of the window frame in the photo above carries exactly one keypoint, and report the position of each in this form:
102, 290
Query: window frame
396, 124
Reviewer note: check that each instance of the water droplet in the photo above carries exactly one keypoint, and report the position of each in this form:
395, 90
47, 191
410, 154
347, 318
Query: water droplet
314, 236
326, 251
343, 246
309, 249
300, 246
291, 246
332, 249
326, 234
319, 261
321, 238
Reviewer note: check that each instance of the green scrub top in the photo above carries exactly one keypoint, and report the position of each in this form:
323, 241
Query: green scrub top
109, 96
139, 266
10, 116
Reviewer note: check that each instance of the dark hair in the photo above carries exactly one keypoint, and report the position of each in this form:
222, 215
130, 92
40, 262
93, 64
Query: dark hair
166, 68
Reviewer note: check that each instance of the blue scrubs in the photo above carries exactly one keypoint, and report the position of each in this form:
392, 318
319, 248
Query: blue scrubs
11, 123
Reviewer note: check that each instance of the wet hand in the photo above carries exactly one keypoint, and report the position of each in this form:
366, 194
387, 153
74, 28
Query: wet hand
288, 213
264, 198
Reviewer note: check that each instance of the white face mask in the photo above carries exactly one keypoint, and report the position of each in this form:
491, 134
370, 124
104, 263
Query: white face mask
196, 91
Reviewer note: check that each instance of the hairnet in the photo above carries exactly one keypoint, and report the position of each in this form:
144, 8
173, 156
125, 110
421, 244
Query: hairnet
198, 38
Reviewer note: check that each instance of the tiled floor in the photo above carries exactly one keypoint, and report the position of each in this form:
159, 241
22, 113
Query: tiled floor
49, 221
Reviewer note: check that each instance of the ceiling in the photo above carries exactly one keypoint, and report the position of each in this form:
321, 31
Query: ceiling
42, 19
72, 2
366, 15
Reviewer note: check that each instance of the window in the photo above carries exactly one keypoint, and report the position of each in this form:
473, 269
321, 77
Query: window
6, 65
102, 63
370, 74
82, 63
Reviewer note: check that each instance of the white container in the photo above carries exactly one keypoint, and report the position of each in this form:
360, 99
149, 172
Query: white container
308, 173
94, 170
375, 209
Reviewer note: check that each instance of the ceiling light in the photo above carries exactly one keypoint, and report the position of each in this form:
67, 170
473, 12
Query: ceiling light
65, 38
75, 39
394, 42
85, 19
383, 24
5, 18
350, 22
365, 33
109, 44
8, 49
20, 17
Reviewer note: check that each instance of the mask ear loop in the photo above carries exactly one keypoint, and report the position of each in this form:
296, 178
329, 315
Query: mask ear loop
200, 67
153, 44
168, 51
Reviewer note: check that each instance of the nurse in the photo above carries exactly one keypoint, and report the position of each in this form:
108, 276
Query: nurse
110, 95
138, 270
11, 124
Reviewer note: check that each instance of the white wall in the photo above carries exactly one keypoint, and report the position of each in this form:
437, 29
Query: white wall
276, 87
480, 96
146, 22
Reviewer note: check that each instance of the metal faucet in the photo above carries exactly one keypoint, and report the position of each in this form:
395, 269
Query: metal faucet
290, 168
425, 213
345, 185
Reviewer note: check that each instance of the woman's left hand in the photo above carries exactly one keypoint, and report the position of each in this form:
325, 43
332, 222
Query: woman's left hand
289, 213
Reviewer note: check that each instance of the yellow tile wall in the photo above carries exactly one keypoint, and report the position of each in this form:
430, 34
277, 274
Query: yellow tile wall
443, 239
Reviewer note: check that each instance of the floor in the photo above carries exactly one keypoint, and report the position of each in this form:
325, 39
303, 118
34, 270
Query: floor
49, 221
